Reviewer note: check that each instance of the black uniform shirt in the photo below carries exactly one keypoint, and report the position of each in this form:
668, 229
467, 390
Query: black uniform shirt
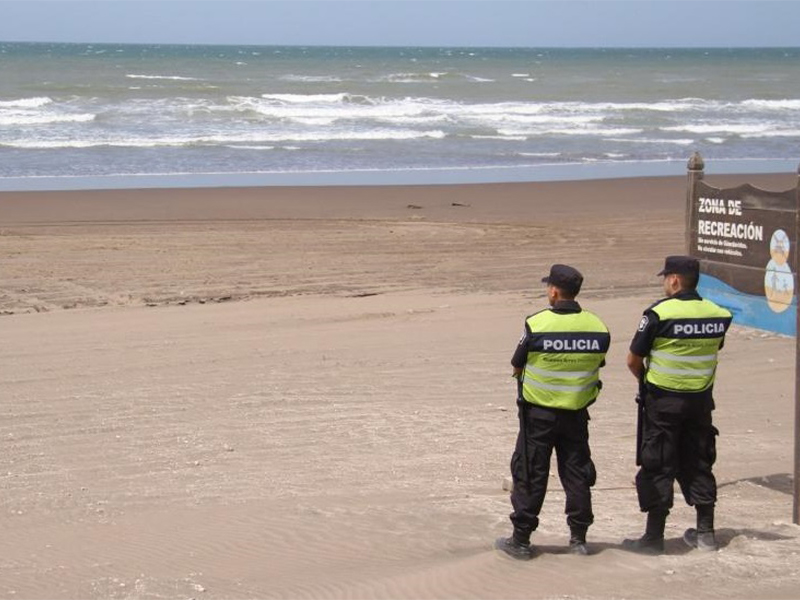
642, 343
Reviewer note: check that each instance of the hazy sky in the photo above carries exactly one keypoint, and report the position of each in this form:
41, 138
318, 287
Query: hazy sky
573, 23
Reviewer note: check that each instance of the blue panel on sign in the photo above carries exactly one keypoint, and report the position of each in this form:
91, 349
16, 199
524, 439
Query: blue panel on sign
751, 310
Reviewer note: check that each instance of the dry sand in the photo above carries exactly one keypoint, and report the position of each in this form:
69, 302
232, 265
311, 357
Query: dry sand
306, 393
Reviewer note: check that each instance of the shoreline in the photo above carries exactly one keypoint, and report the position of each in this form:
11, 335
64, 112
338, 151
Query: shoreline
492, 202
440, 176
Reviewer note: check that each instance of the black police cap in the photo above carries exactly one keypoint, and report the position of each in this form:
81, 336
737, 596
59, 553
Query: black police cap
680, 265
564, 277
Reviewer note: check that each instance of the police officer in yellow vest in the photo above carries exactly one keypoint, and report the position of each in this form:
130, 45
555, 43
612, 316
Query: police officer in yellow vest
674, 356
557, 364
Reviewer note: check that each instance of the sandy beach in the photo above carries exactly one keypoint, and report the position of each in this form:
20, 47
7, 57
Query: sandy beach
305, 393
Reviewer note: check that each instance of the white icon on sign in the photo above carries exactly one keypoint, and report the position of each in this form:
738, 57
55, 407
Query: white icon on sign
778, 278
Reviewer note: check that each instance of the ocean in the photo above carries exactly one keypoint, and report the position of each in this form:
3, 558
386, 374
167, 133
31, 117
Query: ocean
105, 115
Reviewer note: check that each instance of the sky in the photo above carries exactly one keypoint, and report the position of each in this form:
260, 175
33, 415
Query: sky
513, 23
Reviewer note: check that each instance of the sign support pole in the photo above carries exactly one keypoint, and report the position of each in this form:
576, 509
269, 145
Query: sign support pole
695, 173
796, 503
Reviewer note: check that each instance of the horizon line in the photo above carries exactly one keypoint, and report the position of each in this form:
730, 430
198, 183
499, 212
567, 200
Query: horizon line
426, 46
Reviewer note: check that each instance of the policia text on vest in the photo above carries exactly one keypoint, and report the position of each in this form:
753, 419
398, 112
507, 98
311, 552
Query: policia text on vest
565, 352
683, 355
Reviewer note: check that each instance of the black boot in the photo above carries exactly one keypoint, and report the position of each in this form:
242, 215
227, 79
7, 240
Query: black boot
703, 537
652, 542
515, 547
577, 541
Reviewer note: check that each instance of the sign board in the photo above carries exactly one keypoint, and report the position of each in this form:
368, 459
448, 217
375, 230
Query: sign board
746, 241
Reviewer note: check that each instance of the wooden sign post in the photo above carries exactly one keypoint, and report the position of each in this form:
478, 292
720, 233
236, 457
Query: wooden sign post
796, 507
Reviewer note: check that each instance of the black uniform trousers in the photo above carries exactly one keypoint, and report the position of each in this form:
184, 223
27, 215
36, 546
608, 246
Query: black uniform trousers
678, 442
567, 432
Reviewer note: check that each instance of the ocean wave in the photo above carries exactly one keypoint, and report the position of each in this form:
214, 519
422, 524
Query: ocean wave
311, 78
308, 98
568, 132
675, 141
418, 77
249, 147
228, 139
34, 102
12, 120
334, 107
541, 119
721, 127
505, 138
786, 104
164, 77
319, 109
677, 105
777, 133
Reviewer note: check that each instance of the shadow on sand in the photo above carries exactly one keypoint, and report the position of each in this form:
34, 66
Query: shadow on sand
780, 482
672, 546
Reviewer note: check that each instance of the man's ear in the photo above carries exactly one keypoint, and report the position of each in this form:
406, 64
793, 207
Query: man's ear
674, 282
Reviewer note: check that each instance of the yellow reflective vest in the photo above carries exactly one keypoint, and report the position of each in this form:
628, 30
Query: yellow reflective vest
683, 357
565, 353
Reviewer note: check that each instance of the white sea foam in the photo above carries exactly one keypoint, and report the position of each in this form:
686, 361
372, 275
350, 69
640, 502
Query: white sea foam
326, 108
225, 139
35, 102
721, 127
604, 132
11, 120
411, 77
676, 141
307, 98
165, 77
311, 78
540, 119
249, 147
330, 107
317, 121
786, 104
776, 133
507, 138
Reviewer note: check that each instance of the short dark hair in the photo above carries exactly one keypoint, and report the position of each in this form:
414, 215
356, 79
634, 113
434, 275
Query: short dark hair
565, 293
688, 280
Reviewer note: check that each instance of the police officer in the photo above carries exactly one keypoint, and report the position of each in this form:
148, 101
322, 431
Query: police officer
557, 364
674, 356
